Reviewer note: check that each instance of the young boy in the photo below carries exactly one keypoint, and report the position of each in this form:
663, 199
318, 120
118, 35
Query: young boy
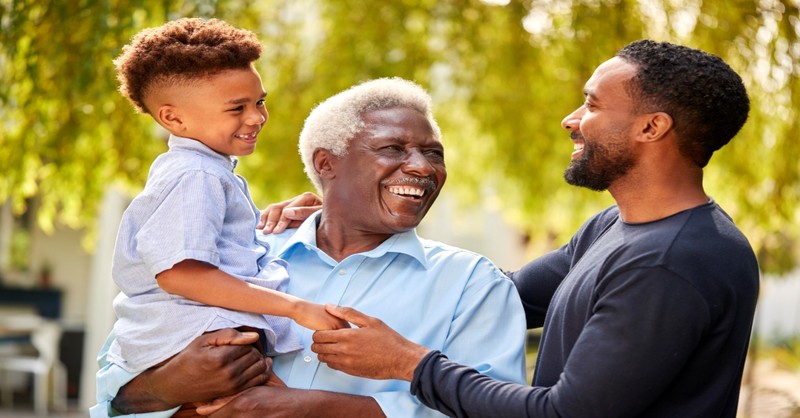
186, 258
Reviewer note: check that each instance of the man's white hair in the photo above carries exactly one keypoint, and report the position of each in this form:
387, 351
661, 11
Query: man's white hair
335, 121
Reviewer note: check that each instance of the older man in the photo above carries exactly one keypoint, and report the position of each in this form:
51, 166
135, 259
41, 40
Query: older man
375, 153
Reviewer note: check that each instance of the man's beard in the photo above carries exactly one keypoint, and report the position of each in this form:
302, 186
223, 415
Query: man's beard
599, 166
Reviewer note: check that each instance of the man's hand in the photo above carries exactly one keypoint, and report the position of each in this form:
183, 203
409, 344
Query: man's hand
208, 408
288, 214
214, 365
372, 350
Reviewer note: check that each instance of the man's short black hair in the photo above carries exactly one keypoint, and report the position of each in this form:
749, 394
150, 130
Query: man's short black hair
704, 96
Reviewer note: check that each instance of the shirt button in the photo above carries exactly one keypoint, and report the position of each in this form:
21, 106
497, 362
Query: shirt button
307, 359
342, 272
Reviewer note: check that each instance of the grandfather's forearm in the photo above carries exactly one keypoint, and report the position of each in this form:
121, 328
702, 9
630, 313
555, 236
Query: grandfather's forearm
342, 405
140, 396
281, 401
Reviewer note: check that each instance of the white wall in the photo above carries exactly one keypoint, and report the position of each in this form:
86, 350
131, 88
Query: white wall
101, 290
778, 310
70, 270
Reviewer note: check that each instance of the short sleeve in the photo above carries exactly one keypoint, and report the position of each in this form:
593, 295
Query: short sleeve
186, 223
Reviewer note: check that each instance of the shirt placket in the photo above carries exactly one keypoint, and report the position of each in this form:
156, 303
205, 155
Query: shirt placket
306, 363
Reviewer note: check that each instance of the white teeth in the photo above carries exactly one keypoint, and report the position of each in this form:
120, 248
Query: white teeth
247, 136
405, 190
577, 147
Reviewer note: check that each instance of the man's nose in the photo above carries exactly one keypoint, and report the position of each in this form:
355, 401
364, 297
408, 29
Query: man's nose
573, 120
417, 163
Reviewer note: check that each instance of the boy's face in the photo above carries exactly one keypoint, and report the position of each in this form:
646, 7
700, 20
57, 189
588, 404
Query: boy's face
225, 112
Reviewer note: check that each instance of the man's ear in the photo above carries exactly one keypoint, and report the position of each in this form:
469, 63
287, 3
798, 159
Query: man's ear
325, 163
170, 118
656, 126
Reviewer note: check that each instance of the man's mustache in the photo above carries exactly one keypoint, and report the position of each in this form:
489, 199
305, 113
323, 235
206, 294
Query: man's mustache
426, 183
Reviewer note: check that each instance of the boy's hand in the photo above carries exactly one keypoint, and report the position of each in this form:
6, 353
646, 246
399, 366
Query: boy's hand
289, 213
314, 316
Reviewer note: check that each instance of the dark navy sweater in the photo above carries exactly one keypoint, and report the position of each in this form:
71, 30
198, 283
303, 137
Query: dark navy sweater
649, 319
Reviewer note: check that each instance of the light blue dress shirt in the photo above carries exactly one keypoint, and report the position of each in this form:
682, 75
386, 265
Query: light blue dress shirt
436, 295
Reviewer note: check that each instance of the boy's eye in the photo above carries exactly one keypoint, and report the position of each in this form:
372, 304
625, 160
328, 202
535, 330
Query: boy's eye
260, 103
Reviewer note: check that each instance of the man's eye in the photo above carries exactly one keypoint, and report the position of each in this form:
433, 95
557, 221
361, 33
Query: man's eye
435, 155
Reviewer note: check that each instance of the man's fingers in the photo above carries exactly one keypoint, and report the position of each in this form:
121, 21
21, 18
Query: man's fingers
234, 350
270, 216
230, 336
257, 373
352, 316
306, 199
293, 217
262, 219
300, 213
289, 213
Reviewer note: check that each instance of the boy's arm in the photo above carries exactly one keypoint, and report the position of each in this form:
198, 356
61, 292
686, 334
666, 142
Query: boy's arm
207, 284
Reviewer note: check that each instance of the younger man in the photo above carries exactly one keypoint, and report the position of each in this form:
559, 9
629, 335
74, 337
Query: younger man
186, 258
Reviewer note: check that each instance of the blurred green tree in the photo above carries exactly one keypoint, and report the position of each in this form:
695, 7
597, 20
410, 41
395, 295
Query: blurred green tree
503, 74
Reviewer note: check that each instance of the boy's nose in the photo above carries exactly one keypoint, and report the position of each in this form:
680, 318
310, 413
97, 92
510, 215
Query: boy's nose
258, 117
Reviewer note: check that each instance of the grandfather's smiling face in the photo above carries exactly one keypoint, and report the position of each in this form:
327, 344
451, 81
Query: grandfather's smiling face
392, 172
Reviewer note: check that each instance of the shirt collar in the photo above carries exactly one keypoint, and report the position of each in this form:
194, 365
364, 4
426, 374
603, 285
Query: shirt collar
407, 243
182, 143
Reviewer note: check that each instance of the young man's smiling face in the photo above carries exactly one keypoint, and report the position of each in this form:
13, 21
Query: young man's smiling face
391, 174
225, 111
602, 128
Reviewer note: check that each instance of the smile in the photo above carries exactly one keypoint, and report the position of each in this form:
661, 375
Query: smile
406, 191
577, 147
247, 137
410, 187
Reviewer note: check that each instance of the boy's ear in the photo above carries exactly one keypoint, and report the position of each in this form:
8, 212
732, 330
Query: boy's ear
324, 163
169, 117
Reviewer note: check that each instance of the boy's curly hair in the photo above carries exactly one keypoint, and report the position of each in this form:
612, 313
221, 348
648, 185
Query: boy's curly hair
179, 52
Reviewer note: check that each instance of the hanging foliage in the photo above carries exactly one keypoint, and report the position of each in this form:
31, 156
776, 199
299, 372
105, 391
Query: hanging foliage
503, 75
